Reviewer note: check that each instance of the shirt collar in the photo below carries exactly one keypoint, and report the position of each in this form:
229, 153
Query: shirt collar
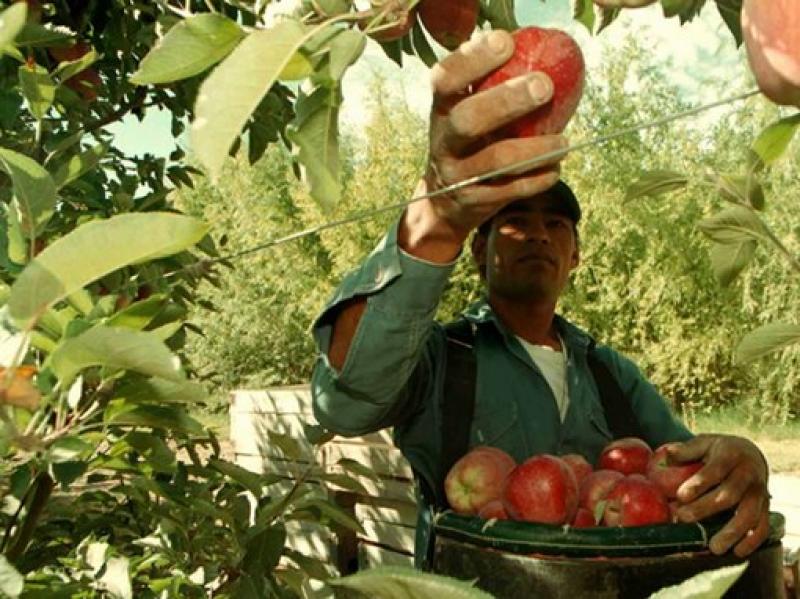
481, 314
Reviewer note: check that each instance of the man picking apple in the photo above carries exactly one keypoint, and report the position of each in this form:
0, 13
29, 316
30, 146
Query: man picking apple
383, 357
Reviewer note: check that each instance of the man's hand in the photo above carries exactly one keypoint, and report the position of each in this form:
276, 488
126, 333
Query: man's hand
734, 475
434, 229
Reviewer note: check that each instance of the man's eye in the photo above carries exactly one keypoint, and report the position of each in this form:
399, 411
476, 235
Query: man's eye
556, 223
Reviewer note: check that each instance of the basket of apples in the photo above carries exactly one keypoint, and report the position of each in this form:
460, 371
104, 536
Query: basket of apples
555, 520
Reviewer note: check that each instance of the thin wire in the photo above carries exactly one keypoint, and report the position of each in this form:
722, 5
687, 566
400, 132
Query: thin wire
521, 165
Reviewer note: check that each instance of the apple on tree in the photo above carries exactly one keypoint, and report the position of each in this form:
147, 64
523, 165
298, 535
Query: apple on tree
477, 479
450, 22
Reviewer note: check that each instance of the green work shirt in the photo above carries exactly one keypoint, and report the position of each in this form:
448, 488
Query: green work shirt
393, 374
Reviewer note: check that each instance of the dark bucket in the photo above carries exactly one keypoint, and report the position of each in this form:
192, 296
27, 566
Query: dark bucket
521, 559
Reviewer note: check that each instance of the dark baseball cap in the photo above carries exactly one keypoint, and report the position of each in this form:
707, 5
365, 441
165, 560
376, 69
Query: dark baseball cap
568, 204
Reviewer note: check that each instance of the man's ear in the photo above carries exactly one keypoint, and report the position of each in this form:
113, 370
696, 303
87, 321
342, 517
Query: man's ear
576, 257
478, 247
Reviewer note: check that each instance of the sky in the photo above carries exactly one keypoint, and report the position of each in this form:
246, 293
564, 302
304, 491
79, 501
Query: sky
700, 58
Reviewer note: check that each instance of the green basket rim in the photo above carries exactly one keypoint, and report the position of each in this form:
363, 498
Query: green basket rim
529, 537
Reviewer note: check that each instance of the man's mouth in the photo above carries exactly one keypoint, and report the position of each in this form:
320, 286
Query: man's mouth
533, 258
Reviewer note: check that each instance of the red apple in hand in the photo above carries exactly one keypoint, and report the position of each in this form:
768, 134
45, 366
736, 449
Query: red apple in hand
477, 478
493, 509
556, 54
541, 489
581, 468
636, 501
669, 477
628, 455
596, 486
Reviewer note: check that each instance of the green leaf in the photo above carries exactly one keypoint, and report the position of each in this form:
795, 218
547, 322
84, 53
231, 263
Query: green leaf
739, 189
153, 449
317, 434
772, 142
357, 468
156, 390
685, 9
712, 584
263, 552
329, 510
12, 20
345, 48
500, 13
79, 164
767, 339
70, 68
68, 472
730, 11
607, 16
421, 46
139, 314
166, 417
313, 567
63, 269
655, 183
733, 225
250, 480
189, 48
114, 348
315, 132
68, 448
392, 582
11, 581
344, 481
232, 92
290, 446
38, 89
34, 35
34, 189
583, 12
730, 259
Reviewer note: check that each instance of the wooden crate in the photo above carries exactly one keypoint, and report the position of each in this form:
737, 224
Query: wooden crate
387, 509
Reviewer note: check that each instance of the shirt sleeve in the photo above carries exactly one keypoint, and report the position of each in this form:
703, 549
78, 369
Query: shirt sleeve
386, 358
657, 420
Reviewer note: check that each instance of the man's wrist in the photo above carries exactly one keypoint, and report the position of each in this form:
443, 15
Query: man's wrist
425, 234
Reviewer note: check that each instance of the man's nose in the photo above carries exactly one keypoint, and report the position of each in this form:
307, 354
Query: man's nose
537, 231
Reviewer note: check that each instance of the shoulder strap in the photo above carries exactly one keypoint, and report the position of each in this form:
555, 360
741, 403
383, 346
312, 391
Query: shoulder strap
617, 406
459, 398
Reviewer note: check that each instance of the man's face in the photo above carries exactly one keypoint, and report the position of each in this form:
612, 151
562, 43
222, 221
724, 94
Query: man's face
530, 250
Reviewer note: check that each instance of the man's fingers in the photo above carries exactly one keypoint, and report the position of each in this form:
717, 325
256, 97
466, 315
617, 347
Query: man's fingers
502, 154
493, 197
748, 517
691, 450
754, 537
490, 109
723, 497
473, 60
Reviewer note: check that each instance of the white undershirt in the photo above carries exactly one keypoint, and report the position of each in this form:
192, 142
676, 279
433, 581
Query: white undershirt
553, 365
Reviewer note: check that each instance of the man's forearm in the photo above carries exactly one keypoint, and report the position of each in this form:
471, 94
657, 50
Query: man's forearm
344, 329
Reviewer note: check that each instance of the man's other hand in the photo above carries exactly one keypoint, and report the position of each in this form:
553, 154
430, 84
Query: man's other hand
734, 476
